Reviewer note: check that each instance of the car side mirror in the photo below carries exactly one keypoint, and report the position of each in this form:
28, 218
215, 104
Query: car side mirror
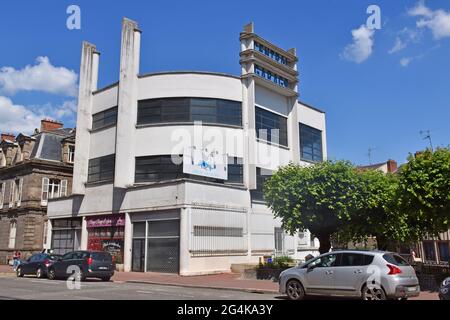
311, 267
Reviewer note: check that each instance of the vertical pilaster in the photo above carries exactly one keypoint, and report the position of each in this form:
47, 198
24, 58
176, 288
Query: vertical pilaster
127, 244
84, 235
127, 105
185, 238
87, 85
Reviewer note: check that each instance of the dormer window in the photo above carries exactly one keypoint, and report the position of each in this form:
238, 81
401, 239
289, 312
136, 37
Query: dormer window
71, 156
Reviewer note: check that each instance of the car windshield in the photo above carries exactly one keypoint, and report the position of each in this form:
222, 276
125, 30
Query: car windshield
395, 259
101, 256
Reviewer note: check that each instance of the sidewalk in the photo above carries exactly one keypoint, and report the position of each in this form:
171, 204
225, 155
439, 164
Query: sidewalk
225, 281
6, 269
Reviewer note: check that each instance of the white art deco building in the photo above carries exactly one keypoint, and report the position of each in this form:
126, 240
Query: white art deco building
136, 195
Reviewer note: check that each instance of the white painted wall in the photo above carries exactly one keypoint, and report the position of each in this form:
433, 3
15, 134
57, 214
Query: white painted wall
105, 99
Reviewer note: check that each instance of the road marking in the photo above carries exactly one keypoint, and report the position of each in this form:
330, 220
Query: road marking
166, 293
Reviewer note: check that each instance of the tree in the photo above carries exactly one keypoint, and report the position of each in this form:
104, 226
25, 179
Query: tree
424, 192
321, 198
378, 215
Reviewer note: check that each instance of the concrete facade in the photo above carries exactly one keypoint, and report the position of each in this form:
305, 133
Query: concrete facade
217, 224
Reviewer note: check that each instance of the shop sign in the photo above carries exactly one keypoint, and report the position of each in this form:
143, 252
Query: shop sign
106, 221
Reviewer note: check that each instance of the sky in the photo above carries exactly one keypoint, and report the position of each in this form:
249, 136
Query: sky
380, 88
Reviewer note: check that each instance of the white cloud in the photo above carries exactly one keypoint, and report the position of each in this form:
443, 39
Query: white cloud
42, 76
438, 21
404, 62
18, 118
404, 38
361, 48
420, 10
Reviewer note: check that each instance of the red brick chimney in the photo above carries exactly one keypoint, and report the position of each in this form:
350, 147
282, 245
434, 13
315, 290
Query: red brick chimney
391, 166
8, 136
50, 125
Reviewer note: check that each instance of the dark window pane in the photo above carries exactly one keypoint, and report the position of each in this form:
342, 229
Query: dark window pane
310, 144
101, 169
271, 127
207, 110
104, 118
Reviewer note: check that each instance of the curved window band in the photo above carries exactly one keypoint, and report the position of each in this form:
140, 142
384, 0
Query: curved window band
187, 109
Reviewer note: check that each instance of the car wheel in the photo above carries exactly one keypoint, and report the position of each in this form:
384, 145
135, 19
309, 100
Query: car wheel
373, 292
51, 274
19, 272
106, 279
294, 290
39, 273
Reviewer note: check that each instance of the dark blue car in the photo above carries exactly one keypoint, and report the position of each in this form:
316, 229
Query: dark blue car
444, 290
37, 264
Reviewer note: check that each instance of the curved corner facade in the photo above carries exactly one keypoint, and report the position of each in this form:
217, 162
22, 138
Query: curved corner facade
132, 194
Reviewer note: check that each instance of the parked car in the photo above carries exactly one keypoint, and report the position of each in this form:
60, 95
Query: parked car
444, 290
370, 275
37, 264
84, 264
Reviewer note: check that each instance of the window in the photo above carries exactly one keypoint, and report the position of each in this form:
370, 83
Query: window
163, 168
104, 118
12, 234
323, 262
268, 75
53, 189
271, 127
444, 254
395, 259
261, 176
71, 156
207, 110
429, 251
355, 259
2, 194
15, 195
101, 169
279, 237
310, 144
213, 231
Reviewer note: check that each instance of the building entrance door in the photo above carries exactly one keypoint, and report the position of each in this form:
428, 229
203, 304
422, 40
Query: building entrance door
138, 259
163, 246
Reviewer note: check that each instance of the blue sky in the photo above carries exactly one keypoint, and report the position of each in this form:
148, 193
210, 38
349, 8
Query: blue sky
379, 88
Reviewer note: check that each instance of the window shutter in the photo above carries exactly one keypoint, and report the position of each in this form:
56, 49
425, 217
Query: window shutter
2, 195
19, 194
11, 194
44, 196
63, 188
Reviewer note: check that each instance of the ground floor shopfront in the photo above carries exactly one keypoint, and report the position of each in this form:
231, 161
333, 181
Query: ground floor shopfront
187, 241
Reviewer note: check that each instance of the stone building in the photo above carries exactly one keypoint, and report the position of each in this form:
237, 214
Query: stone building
33, 169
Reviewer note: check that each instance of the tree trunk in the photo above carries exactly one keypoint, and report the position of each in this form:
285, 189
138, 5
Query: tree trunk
382, 243
325, 244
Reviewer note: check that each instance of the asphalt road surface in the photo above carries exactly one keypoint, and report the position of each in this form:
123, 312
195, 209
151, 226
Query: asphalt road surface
29, 288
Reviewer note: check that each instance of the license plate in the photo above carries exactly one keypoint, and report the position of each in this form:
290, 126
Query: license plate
412, 288
103, 268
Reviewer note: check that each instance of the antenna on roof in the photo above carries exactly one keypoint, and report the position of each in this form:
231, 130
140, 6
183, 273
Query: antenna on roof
369, 154
427, 136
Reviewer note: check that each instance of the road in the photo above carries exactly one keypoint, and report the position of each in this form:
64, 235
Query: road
29, 288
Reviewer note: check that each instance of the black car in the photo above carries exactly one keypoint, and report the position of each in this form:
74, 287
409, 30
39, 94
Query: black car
444, 290
83, 264
37, 264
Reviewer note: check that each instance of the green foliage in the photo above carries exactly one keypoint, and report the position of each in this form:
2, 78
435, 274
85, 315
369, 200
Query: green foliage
279, 263
333, 199
424, 192
321, 198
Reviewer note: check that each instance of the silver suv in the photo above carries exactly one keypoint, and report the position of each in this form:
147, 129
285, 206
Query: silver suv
370, 275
